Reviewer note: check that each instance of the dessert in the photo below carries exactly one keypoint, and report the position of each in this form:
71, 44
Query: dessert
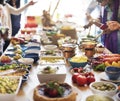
54, 91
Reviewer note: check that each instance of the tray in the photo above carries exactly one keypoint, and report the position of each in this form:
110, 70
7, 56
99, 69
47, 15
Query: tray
51, 53
52, 60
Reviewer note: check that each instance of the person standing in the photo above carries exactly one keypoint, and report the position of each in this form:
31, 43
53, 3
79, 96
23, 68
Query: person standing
8, 10
110, 16
15, 19
111, 38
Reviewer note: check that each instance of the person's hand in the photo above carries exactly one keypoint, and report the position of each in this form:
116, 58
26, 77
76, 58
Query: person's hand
106, 31
113, 25
32, 2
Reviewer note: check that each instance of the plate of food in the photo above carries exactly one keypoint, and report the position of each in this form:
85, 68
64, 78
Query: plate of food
72, 94
51, 53
52, 60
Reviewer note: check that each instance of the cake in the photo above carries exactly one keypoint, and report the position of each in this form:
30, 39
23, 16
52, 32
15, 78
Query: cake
54, 91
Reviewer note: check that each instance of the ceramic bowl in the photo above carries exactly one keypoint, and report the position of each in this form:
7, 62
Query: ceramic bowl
112, 72
104, 88
33, 56
56, 73
32, 51
33, 47
77, 64
28, 61
50, 47
118, 96
97, 97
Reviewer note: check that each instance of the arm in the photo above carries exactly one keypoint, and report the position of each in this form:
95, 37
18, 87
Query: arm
19, 10
91, 7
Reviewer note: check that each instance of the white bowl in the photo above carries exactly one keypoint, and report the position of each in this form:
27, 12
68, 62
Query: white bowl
28, 61
50, 47
97, 97
32, 51
57, 75
118, 96
32, 44
101, 87
7, 96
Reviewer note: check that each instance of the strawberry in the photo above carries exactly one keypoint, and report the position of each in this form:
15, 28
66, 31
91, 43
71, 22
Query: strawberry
53, 93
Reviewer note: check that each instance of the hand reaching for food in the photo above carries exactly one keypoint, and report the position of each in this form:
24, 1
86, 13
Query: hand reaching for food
112, 26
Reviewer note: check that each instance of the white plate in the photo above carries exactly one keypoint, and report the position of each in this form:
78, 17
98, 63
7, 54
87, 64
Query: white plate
104, 77
50, 47
79, 93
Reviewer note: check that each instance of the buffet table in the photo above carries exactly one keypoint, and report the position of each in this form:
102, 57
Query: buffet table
26, 90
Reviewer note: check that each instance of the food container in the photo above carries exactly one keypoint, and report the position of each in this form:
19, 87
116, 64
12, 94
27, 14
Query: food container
68, 50
50, 47
13, 86
56, 73
89, 52
51, 53
89, 47
59, 60
78, 61
104, 88
97, 97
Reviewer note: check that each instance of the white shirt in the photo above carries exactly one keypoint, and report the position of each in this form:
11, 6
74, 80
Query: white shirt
11, 10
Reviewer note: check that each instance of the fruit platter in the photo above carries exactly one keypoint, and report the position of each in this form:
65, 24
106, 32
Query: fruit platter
82, 77
99, 63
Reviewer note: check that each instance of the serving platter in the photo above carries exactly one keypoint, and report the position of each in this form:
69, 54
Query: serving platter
78, 98
52, 60
51, 53
14, 81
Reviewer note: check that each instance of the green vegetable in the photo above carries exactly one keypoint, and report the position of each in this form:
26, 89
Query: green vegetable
100, 67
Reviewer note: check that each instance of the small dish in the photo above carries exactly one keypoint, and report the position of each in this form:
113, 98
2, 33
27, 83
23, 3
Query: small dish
51, 53
32, 44
33, 47
97, 97
33, 56
28, 61
104, 77
32, 51
50, 47
118, 96
11, 55
104, 88
57, 73
112, 72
